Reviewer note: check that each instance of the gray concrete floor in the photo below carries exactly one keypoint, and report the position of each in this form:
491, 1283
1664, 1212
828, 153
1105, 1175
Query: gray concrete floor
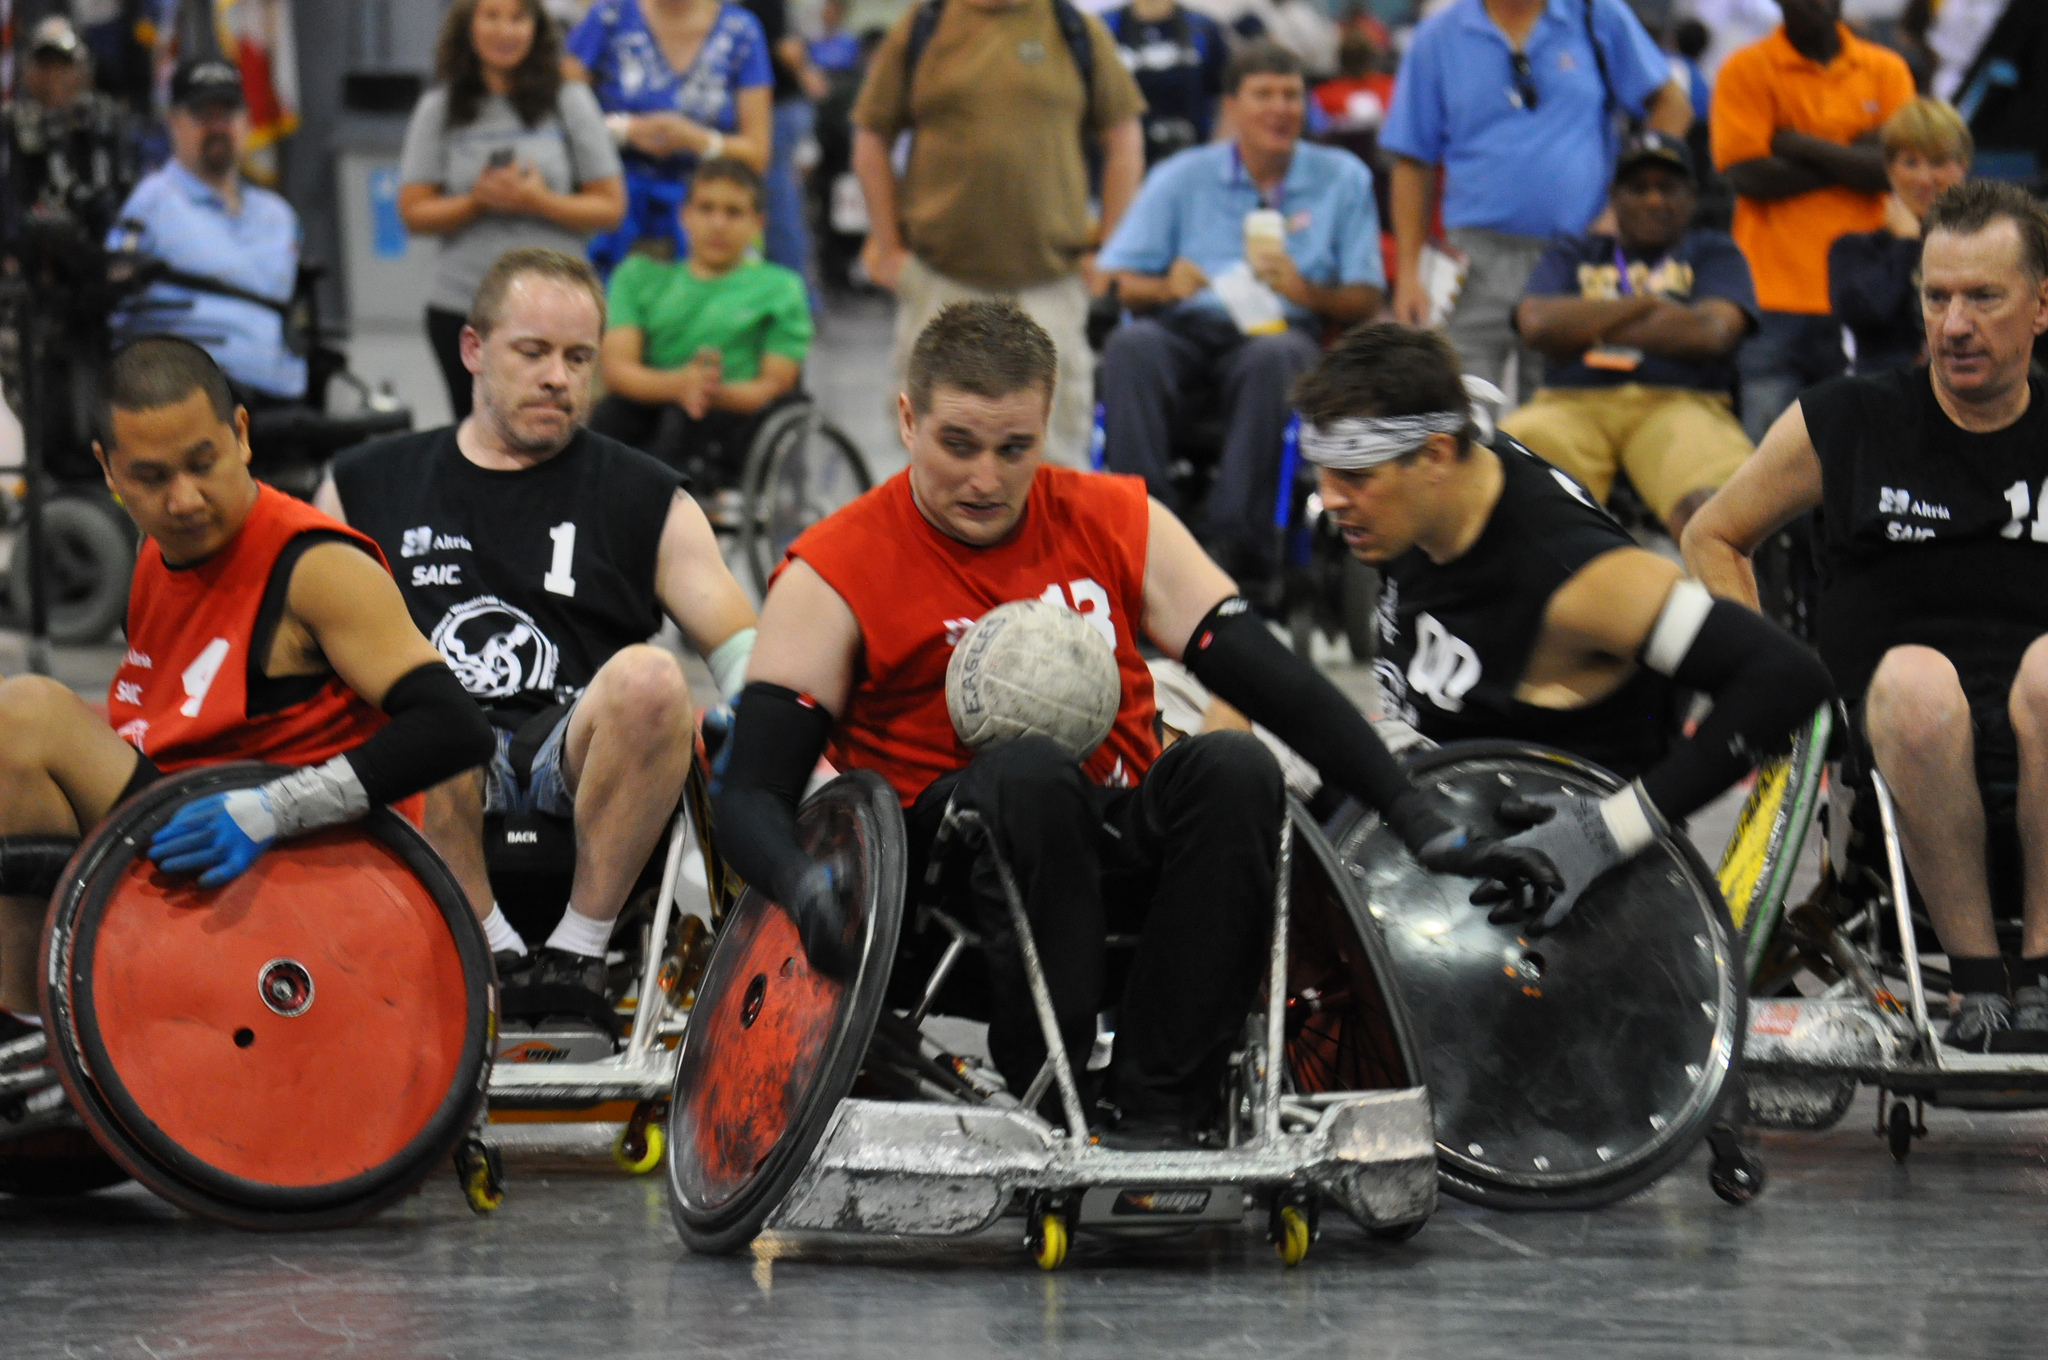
1846, 1254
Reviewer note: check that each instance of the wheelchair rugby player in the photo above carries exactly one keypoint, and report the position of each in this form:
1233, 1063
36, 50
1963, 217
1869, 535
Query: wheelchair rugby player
259, 630
1524, 629
851, 661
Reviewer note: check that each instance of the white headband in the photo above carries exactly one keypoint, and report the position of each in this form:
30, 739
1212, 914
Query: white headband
1356, 442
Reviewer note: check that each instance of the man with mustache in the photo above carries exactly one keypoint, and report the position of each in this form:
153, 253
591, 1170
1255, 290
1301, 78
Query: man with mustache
1933, 482
199, 216
539, 557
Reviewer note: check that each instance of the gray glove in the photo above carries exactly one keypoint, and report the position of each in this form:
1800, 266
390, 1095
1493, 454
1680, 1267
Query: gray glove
1585, 837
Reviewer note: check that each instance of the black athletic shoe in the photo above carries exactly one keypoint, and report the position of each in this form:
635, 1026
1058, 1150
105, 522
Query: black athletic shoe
562, 986
2029, 1032
512, 966
1978, 1022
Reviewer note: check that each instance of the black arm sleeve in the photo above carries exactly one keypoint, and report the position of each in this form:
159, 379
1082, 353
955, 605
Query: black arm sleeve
777, 737
1244, 665
1764, 684
435, 733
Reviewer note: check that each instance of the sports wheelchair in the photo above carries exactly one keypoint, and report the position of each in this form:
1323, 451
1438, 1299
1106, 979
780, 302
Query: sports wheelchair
805, 1104
1848, 985
294, 1050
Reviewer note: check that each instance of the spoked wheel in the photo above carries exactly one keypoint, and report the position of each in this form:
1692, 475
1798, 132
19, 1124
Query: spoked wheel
89, 554
1341, 1032
1573, 1068
802, 469
294, 1050
773, 1045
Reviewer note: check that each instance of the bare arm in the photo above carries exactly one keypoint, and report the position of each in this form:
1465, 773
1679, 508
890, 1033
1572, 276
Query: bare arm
883, 253
1414, 183
1150, 292
1123, 166
1700, 330
1343, 303
692, 580
626, 376
1780, 481
1669, 111
1769, 178
778, 375
1859, 165
1605, 611
1566, 327
1181, 584
353, 616
809, 639
754, 132
598, 205
427, 211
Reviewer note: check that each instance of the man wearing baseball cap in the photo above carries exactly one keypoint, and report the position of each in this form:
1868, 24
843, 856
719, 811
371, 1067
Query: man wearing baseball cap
1638, 331
198, 215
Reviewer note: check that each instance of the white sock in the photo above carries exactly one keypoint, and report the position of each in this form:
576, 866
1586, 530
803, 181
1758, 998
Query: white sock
500, 933
580, 935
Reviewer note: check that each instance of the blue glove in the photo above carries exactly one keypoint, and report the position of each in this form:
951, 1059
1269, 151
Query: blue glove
215, 837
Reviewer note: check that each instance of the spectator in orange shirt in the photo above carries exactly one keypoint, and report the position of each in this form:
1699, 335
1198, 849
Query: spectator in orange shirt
1794, 128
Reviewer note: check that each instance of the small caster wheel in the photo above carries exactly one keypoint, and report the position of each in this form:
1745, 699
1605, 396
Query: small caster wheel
1048, 1239
638, 1155
1737, 1174
481, 1175
1898, 1132
1396, 1232
1291, 1235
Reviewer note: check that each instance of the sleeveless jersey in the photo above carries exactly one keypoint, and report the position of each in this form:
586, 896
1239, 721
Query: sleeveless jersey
182, 696
1930, 534
526, 582
1456, 636
916, 592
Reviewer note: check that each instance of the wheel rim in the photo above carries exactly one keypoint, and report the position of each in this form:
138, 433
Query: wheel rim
812, 471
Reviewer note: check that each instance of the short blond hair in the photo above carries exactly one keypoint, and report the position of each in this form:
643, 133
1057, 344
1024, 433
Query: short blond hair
1929, 127
489, 303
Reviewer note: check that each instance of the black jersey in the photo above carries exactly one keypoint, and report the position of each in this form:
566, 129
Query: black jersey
1456, 636
526, 582
1930, 534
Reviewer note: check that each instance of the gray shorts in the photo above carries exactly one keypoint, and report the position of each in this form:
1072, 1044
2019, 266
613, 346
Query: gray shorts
544, 787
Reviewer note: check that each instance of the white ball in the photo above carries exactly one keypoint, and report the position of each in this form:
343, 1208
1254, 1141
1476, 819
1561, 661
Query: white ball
1033, 667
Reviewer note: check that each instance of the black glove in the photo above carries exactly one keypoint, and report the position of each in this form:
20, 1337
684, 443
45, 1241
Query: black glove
815, 907
1566, 829
1443, 847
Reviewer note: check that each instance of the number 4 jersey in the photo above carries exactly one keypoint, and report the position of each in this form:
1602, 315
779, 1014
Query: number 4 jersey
1931, 535
526, 582
1456, 636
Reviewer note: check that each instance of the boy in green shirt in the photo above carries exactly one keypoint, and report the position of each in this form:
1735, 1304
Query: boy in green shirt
692, 351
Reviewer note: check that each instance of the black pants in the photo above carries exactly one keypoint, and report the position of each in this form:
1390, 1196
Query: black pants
444, 335
1184, 860
707, 451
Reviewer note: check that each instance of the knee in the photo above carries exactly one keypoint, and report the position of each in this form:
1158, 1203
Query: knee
1915, 703
2029, 702
1028, 768
31, 708
457, 804
1231, 774
644, 692
1280, 357
1136, 347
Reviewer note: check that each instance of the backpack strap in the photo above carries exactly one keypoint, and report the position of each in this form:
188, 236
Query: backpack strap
922, 25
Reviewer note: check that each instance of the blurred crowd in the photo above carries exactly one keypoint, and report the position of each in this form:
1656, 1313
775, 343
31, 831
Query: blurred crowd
1649, 223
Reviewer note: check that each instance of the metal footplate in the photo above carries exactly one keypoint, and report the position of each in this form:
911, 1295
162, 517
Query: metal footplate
939, 1170
569, 1085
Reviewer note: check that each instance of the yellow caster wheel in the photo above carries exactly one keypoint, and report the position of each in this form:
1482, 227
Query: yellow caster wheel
649, 1146
481, 1175
1049, 1242
1291, 1235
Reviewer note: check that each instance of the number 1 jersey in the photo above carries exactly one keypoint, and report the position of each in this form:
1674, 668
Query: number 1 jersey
1930, 534
526, 582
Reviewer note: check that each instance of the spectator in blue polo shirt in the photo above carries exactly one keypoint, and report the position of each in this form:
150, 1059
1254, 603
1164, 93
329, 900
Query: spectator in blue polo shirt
1234, 257
198, 215
1515, 106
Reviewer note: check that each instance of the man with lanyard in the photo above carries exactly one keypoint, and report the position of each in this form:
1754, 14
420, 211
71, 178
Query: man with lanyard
539, 557
258, 629
1513, 607
1264, 213
855, 639
199, 216
1638, 331
1932, 482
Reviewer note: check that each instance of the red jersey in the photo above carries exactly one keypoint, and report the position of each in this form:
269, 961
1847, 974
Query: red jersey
916, 592
181, 696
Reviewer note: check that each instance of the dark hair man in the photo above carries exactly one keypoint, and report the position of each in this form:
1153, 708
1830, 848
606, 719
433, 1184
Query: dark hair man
855, 639
1266, 214
258, 629
1514, 607
1638, 331
1934, 485
539, 557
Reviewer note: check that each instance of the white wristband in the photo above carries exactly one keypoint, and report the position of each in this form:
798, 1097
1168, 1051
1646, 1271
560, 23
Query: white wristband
714, 146
1629, 820
728, 662
314, 796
